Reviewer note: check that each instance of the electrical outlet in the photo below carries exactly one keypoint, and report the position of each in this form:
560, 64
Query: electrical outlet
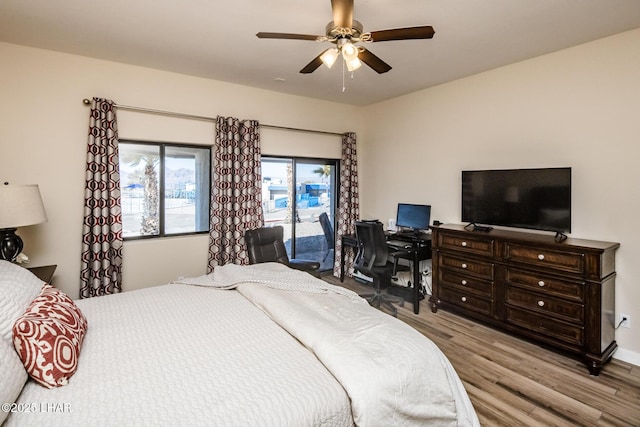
625, 320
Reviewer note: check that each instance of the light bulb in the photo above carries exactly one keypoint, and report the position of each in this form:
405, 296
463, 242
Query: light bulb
349, 51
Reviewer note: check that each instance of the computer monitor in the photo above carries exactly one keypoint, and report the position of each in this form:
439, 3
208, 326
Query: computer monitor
413, 217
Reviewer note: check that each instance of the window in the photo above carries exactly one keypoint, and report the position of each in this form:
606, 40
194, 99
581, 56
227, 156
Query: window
304, 189
165, 189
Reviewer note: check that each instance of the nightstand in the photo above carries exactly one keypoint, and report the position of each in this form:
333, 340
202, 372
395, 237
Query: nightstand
44, 273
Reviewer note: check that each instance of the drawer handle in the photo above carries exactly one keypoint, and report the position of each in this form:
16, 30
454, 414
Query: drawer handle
464, 265
541, 283
541, 303
464, 282
541, 257
463, 299
464, 244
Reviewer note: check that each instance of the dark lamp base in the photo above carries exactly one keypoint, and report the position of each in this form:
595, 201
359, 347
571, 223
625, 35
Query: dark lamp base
10, 244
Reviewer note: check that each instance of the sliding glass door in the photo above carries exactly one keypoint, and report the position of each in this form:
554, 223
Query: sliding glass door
299, 194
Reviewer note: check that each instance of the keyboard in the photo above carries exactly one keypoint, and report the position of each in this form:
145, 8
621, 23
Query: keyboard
399, 244
410, 237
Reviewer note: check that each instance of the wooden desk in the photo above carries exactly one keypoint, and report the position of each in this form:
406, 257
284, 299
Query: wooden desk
416, 253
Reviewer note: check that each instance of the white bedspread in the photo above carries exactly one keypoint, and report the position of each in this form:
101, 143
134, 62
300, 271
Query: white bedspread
197, 355
180, 355
394, 376
273, 275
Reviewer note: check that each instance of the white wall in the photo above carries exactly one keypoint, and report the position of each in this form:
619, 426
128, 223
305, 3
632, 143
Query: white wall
578, 107
43, 137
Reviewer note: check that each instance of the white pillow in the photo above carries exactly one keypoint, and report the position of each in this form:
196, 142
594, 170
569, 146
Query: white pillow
13, 376
18, 287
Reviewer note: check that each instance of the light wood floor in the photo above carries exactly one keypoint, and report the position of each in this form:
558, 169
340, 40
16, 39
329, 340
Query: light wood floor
512, 382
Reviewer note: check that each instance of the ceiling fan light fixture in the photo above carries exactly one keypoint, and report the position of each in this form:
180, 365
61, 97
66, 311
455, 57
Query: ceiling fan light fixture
345, 32
353, 64
329, 57
349, 51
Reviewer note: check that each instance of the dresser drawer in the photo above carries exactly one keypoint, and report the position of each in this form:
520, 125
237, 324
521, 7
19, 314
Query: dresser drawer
467, 301
566, 261
542, 325
544, 304
465, 266
557, 292
485, 247
465, 282
547, 284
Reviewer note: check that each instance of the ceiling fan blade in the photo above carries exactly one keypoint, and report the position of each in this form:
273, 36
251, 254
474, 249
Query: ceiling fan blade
424, 32
342, 13
373, 61
313, 65
286, 36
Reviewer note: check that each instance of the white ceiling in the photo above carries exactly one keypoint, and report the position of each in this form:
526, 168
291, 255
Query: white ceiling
216, 39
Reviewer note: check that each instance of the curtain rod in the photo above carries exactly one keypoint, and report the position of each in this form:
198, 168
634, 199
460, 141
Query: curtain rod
208, 119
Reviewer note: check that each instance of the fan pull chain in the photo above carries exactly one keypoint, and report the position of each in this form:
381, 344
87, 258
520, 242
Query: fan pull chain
344, 72
344, 87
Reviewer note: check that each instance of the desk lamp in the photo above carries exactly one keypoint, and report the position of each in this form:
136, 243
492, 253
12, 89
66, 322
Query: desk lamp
20, 206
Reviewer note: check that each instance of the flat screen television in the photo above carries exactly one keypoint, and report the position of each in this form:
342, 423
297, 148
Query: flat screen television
538, 199
413, 217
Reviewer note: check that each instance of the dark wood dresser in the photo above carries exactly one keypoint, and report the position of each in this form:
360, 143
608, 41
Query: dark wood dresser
560, 294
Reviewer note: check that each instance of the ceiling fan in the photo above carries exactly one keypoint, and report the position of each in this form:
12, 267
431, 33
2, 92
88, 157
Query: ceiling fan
344, 32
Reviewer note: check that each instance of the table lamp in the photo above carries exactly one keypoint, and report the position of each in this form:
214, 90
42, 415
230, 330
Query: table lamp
20, 206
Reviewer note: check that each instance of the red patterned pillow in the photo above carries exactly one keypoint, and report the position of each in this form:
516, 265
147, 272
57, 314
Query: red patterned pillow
48, 337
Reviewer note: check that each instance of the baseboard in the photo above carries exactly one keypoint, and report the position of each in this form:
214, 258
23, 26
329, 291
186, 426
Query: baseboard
627, 356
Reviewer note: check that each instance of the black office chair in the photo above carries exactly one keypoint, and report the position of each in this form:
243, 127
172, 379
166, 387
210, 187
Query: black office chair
373, 260
266, 244
327, 229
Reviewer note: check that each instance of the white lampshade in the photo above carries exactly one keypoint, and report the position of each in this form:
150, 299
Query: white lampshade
20, 205
353, 64
329, 57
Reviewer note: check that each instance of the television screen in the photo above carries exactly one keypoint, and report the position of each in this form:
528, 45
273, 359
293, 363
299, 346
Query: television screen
525, 198
415, 217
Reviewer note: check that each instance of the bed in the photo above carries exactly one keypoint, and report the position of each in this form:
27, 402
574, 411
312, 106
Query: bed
251, 345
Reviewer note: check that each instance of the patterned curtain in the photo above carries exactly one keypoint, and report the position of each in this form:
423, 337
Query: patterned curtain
236, 190
101, 263
348, 203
